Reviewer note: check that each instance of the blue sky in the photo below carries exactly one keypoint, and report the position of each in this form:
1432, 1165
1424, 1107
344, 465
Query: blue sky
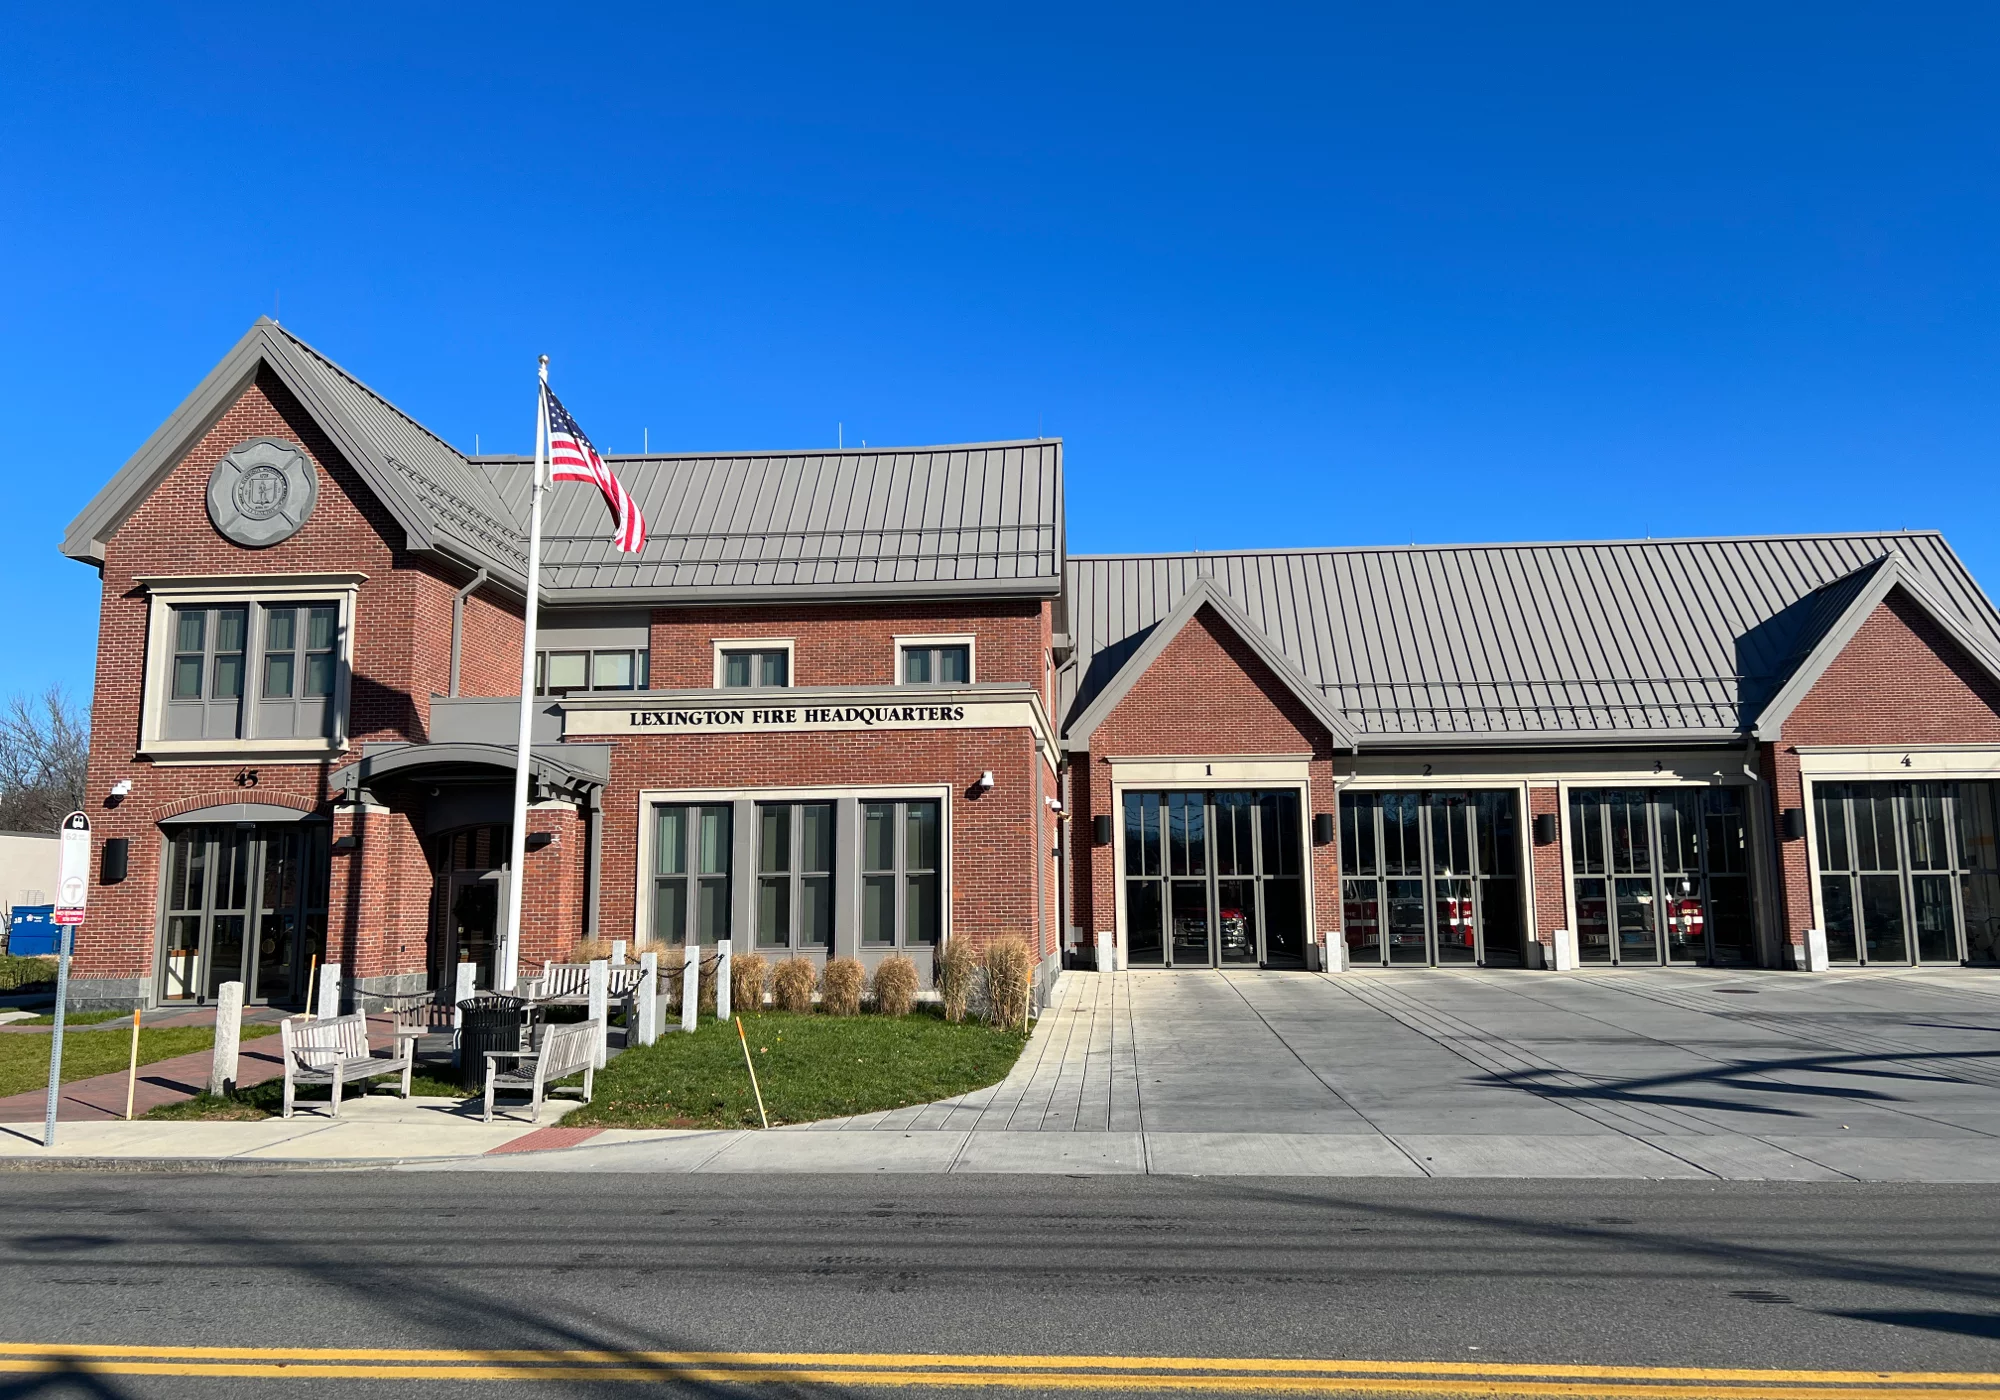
1280, 275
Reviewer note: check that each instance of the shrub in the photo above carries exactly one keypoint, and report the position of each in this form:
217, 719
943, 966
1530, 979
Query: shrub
746, 982
1010, 970
792, 985
895, 985
957, 970
590, 950
840, 987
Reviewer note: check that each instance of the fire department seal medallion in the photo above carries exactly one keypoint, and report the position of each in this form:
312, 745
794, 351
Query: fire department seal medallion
262, 492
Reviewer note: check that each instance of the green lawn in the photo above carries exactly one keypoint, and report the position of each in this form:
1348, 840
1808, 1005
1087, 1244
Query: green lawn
808, 1066
75, 1018
24, 1059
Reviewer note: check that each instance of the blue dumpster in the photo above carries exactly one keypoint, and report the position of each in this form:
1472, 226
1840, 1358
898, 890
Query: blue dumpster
33, 932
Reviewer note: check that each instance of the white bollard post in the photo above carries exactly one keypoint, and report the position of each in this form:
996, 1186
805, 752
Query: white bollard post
646, 1001
1333, 957
690, 985
618, 952
600, 1007
329, 991
722, 979
228, 1036
1107, 951
465, 985
1564, 950
1816, 958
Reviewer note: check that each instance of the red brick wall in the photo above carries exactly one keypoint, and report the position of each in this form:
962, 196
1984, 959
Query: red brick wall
851, 644
994, 840
552, 897
402, 639
1551, 908
1207, 694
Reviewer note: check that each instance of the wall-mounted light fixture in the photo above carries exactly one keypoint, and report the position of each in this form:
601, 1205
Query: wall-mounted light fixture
1545, 828
1792, 822
343, 844
540, 839
111, 869
1100, 830
1322, 828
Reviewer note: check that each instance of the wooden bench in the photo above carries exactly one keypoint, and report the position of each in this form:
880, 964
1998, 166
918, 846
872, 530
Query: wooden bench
568, 984
335, 1051
564, 1051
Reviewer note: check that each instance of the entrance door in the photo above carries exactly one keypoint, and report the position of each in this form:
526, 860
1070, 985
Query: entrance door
467, 882
243, 903
1661, 875
475, 923
1430, 878
1214, 879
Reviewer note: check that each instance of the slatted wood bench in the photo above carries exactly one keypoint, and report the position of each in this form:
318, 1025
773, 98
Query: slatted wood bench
564, 1051
568, 984
335, 1051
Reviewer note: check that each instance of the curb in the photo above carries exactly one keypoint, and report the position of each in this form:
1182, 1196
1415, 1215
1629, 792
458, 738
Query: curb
193, 1165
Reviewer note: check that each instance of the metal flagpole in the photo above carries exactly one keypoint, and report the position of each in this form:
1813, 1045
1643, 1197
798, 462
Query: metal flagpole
510, 951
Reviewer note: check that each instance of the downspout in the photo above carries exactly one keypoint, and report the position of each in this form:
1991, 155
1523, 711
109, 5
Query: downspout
593, 844
458, 623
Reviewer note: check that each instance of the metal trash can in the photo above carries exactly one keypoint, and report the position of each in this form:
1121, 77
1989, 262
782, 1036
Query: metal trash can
490, 1022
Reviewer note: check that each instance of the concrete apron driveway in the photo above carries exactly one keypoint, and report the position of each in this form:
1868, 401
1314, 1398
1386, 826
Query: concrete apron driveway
1690, 1073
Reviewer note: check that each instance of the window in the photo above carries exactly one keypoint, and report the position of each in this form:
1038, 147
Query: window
935, 663
292, 650
795, 875
755, 668
234, 676
560, 672
295, 695
691, 847
901, 855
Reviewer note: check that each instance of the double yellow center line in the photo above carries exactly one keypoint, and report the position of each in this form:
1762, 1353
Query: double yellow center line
1038, 1373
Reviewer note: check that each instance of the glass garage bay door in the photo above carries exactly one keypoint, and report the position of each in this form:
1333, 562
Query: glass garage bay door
1214, 879
1661, 875
1431, 878
1907, 871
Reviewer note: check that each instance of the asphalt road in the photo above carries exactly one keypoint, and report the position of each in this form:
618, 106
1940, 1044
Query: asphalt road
1652, 1274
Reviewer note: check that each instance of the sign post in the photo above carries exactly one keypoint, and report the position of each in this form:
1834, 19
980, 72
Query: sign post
72, 889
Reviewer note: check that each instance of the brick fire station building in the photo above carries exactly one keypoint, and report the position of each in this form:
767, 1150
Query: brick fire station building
863, 701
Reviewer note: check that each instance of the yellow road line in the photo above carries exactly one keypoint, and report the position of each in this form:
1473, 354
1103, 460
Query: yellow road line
946, 1362
1040, 1381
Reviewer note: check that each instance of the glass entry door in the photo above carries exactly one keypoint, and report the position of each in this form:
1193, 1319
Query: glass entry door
243, 903
1907, 871
1214, 879
1431, 878
1661, 875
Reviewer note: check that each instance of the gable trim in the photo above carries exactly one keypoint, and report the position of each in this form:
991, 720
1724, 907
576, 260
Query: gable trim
1204, 593
263, 346
1891, 573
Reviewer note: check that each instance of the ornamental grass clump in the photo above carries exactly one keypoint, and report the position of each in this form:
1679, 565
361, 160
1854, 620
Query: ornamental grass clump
746, 982
590, 950
705, 993
1010, 968
840, 987
792, 985
895, 986
957, 970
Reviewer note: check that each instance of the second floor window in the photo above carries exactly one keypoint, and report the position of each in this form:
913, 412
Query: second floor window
560, 672
252, 671
937, 665
759, 667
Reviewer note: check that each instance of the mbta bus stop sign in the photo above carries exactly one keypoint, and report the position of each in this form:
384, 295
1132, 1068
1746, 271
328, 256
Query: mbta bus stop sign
73, 868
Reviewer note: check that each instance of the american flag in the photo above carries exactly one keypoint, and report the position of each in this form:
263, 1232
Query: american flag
572, 458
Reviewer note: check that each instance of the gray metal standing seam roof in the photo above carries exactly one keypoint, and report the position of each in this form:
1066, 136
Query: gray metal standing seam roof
1590, 641
973, 518
969, 519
